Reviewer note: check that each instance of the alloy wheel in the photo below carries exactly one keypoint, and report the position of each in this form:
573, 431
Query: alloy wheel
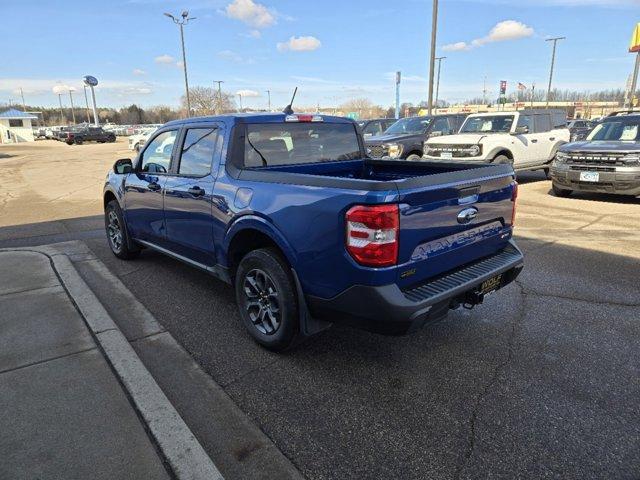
114, 231
261, 301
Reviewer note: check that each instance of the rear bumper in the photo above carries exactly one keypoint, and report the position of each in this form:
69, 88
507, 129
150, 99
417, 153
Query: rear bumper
626, 182
389, 310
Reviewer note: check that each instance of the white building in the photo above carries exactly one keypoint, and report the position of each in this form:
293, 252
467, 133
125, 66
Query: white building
15, 126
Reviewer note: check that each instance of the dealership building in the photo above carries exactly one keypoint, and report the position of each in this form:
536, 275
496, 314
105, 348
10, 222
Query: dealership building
15, 126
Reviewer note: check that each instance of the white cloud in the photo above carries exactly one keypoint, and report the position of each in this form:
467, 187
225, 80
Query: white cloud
502, 31
313, 80
232, 56
60, 88
254, 34
299, 44
248, 93
164, 59
139, 72
251, 13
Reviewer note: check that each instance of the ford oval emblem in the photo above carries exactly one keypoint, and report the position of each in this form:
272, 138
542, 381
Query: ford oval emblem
468, 214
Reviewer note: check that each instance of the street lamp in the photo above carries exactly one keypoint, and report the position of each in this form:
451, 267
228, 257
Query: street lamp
219, 109
59, 90
553, 61
181, 22
240, 97
432, 59
269, 100
439, 59
73, 112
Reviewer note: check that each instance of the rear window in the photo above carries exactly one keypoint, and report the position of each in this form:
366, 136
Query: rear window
270, 144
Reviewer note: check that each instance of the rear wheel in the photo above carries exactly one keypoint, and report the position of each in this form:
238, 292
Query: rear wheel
267, 299
560, 192
503, 159
117, 235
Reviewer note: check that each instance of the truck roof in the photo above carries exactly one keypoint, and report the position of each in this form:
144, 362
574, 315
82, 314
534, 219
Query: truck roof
262, 117
526, 111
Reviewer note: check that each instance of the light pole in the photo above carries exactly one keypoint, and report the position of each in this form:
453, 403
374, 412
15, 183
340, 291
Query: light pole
62, 117
181, 22
240, 97
398, 79
432, 59
86, 101
219, 109
553, 61
439, 59
73, 112
269, 100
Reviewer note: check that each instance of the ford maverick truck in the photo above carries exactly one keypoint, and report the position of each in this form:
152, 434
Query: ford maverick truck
290, 211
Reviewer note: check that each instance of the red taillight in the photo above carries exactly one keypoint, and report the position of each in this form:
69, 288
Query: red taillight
514, 198
372, 234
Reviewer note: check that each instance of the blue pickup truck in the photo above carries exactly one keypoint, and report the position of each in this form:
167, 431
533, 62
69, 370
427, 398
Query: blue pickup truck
309, 231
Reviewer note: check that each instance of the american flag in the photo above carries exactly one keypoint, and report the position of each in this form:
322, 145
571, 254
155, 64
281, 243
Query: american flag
521, 86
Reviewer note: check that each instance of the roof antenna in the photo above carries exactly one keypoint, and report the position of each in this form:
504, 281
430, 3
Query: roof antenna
288, 110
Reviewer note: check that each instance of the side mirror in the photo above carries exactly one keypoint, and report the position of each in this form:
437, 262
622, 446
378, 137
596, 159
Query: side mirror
123, 166
521, 130
436, 133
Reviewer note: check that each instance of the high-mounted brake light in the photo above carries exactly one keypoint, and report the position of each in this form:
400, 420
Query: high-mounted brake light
514, 198
372, 234
303, 118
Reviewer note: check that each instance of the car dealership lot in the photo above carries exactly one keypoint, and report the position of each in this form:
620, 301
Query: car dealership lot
540, 381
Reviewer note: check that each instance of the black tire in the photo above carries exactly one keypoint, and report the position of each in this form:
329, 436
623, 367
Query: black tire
414, 157
111, 139
560, 192
78, 141
503, 159
267, 300
117, 234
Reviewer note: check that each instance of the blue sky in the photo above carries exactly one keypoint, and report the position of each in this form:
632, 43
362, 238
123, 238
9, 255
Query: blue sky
332, 50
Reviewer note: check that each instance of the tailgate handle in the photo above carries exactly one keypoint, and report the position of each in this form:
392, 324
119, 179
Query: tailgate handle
468, 195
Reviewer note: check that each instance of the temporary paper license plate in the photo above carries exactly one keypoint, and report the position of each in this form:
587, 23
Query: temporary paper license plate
446, 155
589, 176
491, 285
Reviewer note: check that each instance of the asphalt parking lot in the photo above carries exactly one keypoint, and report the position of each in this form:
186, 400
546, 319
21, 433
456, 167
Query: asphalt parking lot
542, 381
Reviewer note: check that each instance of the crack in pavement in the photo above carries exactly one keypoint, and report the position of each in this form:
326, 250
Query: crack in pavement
493, 380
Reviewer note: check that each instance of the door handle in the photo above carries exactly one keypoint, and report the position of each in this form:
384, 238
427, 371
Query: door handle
196, 191
552, 138
533, 140
154, 187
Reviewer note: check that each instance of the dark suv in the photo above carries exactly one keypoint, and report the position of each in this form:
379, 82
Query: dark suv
405, 138
89, 134
607, 161
375, 126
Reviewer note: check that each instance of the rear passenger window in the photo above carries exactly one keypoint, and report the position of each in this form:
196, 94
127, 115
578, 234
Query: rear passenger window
156, 158
197, 151
542, 123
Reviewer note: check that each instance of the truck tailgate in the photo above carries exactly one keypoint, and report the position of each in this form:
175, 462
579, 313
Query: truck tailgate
443, 227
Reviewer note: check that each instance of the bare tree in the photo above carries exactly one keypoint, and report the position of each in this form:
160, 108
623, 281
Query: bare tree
364, 107
206, 101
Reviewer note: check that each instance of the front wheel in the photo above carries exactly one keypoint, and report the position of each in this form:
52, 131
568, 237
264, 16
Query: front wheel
560, 192
502, 159
78, 141
267, 299
414, 158
117, 235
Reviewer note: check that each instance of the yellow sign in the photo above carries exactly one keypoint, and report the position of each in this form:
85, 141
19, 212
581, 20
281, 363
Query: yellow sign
634, 46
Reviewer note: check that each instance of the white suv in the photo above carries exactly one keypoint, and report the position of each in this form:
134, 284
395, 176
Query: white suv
527, 139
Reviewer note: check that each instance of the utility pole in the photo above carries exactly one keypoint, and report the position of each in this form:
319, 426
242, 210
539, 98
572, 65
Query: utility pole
24, 105
86, 101
484, 91
432, 59
185, 18
219, 109
398, 77
439, 59
269, 100
240, 97
533, 90
73, 112
553, 61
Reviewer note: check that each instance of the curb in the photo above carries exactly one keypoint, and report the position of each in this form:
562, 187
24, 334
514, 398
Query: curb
186, 457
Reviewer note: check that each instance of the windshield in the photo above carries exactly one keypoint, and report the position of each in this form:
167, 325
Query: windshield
488, 124
616, 130
268, 144
412, 125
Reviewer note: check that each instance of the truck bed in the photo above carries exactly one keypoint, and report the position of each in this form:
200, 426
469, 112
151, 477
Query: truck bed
369, 174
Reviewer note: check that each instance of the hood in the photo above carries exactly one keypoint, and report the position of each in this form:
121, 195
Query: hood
459, 139
602, 146
392, 138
